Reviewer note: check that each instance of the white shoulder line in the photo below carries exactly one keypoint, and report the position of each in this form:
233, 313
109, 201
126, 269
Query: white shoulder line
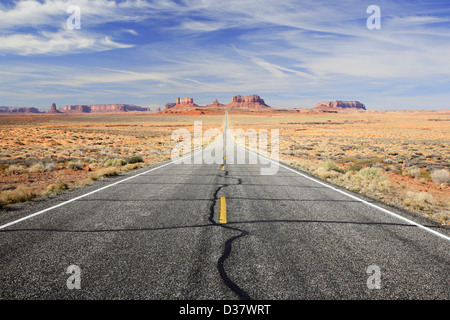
358, 199
92, 192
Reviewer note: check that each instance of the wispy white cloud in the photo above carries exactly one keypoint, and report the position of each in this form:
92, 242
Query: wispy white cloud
56, 43
131, 31
40, 13
305, 49
47, 32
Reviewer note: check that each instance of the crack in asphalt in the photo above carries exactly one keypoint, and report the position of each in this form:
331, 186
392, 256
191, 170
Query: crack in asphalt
241, 293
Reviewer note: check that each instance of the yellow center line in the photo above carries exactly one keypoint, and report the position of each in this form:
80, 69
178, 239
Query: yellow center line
222, 210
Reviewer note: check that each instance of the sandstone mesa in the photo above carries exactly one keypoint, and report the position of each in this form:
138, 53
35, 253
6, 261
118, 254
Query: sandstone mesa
339, 105
251, 103
237, 102
102, 108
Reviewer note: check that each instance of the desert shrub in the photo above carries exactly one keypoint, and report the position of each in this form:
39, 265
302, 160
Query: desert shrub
329, 165
114, 162
425, 175
367, 181
101, 173
370, 173
130, 166
325, 174
20, 194
57, 187
75, 165
420, 200
14, 169
50, 166
413, 172
38, 167
440, 176
356, 166
134, 159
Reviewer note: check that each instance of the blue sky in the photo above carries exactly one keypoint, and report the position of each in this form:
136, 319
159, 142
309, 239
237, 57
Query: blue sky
291, 53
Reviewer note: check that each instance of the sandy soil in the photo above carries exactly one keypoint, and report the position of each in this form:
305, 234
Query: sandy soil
405, 148
393, 156
69, 147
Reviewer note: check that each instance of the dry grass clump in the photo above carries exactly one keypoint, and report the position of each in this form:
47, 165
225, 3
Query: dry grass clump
75, 165
370, 181
414, 172
440, 176
104, 172
420, 201
20, 194
325, 173
38, 167
417, 173
49, 167
14, 169
113, 162
131, 166
57, 187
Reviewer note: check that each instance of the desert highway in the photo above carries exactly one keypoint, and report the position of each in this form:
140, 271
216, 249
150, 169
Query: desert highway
155, 234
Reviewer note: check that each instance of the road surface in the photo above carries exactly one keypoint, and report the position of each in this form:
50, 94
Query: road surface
155, 234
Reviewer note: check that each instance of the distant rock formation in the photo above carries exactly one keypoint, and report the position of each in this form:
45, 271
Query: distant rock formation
248, 102
169, 105
53, 109
339, 105
186, 103
215, 104
94, 108
76, 109
237, 102
102, 108
19, 110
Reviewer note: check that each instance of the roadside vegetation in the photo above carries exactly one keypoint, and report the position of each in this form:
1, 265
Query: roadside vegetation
400, 158
47, 155
379, 184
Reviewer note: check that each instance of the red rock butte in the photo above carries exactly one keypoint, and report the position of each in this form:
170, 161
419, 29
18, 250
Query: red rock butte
339, 105
250, 103
102, 108
237, 102
53, 109
183, 104
4, 109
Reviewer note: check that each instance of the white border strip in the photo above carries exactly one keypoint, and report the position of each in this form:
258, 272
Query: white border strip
358, 199
92, 192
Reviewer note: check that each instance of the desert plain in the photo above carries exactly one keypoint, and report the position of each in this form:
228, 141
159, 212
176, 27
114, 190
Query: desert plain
398, 157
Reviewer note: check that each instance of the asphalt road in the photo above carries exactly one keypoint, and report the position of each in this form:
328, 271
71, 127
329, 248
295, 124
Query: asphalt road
156, 236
